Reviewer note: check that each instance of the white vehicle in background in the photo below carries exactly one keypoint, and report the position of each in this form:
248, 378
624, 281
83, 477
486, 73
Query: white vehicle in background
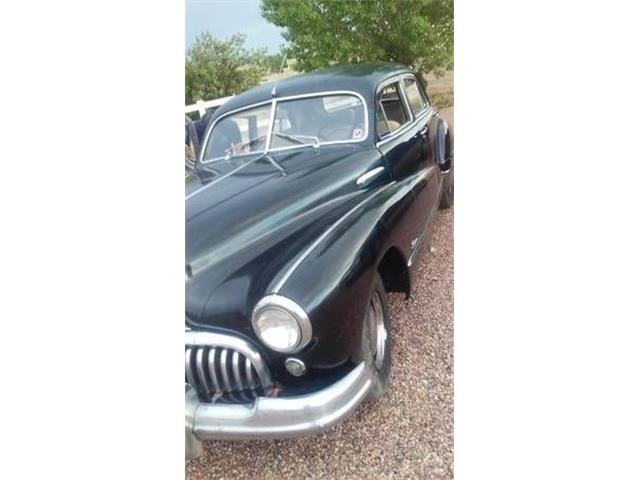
203, 107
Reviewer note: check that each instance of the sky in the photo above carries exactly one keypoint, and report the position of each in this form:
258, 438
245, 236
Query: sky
223, 18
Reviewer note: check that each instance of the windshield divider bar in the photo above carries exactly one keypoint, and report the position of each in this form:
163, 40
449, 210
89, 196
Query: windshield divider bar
272, 120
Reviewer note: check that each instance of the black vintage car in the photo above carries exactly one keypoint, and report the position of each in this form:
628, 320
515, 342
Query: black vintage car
311, 199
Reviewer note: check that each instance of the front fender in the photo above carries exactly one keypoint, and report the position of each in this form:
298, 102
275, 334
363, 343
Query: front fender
334, 279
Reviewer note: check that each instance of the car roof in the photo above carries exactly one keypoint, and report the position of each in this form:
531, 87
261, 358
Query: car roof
360, 78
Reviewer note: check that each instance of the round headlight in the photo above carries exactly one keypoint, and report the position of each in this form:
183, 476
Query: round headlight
281, 324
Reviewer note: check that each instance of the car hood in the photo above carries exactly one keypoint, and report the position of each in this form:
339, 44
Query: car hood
248, 220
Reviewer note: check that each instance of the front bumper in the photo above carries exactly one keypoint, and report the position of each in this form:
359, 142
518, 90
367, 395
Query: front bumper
270, 417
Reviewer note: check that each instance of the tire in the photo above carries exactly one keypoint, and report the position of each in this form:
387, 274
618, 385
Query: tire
379, 356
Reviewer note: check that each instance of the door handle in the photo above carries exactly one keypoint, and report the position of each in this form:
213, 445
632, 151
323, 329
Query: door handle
424, 132
369, 176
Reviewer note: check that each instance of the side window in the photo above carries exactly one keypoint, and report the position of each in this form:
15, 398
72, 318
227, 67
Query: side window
415, 97
381, 121
390, 112
423, 92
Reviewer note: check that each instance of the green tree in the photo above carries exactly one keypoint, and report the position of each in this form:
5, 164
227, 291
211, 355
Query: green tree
217, 68
321, 33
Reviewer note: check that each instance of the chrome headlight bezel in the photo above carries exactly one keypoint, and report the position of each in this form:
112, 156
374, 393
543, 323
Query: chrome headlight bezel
291, 308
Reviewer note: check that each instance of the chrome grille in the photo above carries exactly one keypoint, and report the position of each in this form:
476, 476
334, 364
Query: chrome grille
224, 368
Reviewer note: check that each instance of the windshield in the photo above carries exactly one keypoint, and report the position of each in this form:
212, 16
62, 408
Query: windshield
241, 133
297, 122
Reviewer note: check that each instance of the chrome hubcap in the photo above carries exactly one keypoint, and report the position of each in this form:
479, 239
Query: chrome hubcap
377, 332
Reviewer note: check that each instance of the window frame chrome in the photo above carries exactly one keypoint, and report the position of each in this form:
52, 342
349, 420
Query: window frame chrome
414, 118
274, 101
395, 79
420, 92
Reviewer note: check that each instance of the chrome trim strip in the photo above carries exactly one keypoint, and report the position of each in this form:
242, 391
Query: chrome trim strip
189, 366
272, 119
224, 371
406, 100
274, 102
283, 417
319, 240
235, 364
219, 340
428, 109
200, 370
405, 127
384, 114
426, 100
212, 370
249, 373
418, 245
369, 176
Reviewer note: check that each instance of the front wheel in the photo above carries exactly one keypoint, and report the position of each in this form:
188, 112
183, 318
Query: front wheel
376, 338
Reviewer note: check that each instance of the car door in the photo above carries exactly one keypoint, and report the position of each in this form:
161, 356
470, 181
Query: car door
401, 141
428, 188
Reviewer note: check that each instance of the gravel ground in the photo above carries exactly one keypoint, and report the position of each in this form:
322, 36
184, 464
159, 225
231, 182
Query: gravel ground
408, 433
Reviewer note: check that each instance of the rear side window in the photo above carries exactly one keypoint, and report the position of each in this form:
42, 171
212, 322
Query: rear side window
390, 113
415, 97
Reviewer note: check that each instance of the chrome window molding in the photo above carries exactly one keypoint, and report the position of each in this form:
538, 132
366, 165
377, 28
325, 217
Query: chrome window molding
397, 79
237, 155
420, 92
424, 112
384, 114
423, 91
404, 128
205, 143
406, 100
272, 119
274, 102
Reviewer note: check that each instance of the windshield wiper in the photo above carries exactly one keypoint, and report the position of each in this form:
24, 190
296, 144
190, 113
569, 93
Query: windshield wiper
232, 149
299, 138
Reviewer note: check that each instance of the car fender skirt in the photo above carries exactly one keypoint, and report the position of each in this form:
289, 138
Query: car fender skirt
269, 418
